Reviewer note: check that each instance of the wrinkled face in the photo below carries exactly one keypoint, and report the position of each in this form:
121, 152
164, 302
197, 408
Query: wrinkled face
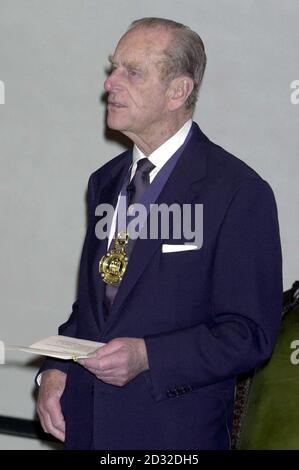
137, 101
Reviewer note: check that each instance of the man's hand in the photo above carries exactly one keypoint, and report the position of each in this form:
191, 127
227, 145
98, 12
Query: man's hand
48, 403
119, 361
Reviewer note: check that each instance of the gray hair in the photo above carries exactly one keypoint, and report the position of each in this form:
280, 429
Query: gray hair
184, 56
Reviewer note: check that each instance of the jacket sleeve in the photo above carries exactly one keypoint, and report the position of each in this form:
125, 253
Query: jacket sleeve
246, 302
66, 329
69, 328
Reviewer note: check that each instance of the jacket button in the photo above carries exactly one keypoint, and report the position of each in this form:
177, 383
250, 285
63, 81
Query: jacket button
170, 393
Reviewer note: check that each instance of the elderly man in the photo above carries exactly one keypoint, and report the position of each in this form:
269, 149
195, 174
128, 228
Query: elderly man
180, 321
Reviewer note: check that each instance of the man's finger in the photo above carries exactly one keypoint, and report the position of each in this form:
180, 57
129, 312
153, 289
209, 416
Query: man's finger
58, 419
42, 422
108, 373
109, 348
57, 430
105, 363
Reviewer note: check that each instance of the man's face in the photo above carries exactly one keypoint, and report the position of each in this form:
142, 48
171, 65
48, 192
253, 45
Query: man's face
137, 101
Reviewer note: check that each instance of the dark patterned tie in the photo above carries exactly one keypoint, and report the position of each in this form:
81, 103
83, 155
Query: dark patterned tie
135, 191
140, 181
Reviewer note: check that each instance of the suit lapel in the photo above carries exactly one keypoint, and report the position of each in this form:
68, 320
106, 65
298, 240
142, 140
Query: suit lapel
181, 187
108, 194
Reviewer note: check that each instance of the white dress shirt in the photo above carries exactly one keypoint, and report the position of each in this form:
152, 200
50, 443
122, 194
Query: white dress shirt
158, 158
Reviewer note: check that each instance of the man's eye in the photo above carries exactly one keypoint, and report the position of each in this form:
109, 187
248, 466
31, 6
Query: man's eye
132, 72
109, 69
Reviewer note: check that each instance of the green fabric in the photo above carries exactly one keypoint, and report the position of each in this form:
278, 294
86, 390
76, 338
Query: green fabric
272, 417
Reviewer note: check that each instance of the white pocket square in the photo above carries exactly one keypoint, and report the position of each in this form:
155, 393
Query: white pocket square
170, 248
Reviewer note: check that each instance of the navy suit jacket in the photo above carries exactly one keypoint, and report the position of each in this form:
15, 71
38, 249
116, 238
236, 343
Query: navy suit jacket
206, 315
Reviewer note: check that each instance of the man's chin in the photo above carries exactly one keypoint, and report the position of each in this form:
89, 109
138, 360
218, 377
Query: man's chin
114, 125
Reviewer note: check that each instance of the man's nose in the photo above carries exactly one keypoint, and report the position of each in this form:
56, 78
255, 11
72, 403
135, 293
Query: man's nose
108, 84
113, 82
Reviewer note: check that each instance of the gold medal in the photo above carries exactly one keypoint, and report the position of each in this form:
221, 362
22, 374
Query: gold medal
113, 265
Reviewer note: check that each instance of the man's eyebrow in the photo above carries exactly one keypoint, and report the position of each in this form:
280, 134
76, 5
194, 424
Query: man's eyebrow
132, 65
128, 65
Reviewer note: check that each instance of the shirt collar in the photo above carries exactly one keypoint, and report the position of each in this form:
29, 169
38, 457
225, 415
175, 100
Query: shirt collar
162, 154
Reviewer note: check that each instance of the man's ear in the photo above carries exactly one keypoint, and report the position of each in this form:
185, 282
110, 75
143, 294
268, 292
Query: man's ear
178, 92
